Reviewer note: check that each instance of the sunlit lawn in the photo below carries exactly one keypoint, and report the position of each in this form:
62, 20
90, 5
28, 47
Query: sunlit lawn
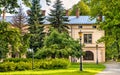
88, 69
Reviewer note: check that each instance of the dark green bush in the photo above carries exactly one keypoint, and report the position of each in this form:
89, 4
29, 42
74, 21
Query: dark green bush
11, 66
23, 66
38, 64
52, 64
60, 63
17, 60
7, 66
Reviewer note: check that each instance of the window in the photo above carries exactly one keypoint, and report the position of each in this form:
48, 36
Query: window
88, 55
94, 26
79, 26
88, 38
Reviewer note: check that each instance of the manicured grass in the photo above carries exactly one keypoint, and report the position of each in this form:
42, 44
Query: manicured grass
88, 69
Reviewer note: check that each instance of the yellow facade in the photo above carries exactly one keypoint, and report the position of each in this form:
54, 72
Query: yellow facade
98, 52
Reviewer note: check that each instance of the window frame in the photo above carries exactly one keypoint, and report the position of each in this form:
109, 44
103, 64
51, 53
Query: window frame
89, 55
87, 38
80, 26
94, 27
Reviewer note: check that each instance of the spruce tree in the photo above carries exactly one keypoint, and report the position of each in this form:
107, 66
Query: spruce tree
36, 28
58, 19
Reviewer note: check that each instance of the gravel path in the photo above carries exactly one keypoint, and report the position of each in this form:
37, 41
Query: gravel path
112, 68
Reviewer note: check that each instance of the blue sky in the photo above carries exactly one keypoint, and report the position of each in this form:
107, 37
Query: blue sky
66, 3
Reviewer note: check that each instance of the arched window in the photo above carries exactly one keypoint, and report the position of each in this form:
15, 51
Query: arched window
88, 55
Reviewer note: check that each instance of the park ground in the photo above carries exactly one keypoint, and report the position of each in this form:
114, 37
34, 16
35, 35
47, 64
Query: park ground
88, 69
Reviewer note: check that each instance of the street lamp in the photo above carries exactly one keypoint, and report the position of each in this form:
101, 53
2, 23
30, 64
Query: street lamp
31, 50
32, 59
97, 54
80, 35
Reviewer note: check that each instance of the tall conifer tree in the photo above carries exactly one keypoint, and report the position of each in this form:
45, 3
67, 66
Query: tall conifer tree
36, 28
58, 19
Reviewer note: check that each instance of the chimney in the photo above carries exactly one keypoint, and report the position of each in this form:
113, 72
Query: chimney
28, 12
67, 12
43, 12
77, 13
99, 18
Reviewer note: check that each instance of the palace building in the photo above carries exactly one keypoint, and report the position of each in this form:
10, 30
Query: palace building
90, 34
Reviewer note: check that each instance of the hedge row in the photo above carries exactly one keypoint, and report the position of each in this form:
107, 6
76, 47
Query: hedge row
11, 66
15, 60
52, 64
39, 64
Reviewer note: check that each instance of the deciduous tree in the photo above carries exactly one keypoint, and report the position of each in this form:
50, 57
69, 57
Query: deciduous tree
20, 21
111, 24
84, 9
9, 38
59, 45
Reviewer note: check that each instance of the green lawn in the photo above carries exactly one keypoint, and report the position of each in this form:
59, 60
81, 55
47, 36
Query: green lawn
88, 69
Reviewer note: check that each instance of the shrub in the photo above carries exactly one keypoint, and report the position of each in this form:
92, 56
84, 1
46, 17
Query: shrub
60, 63
20, 66
7, 66
52, 64
17, 60
38, 64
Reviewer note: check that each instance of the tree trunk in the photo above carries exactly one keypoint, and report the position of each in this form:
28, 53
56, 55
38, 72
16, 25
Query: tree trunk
118, 47
3, 14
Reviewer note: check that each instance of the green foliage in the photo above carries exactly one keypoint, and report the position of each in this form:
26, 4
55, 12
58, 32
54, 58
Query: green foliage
55, 45
10, 38
111, 24
84, 9
52, 64
27, 2
76, 48
87, 2
60, 63
7, 66
19, 21
36, 28
29, 54
57, 17
59, 45
8, 5
11, 66
25, 64
16, 60
21, 66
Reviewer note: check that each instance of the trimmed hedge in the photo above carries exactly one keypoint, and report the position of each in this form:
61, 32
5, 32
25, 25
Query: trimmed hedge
52, 64
7, 66
38, 64
15, 60
11, 66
